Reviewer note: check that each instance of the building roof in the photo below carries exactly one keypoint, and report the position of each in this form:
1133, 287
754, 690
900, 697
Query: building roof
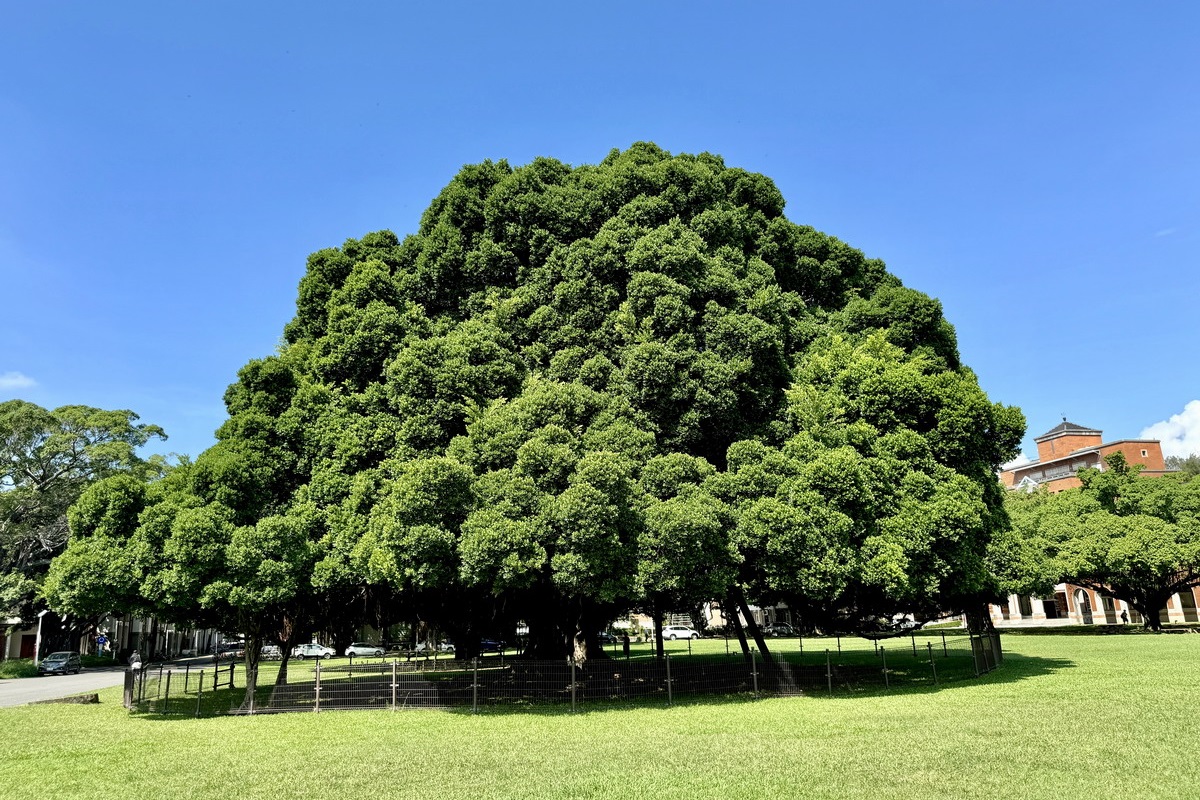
1064, 428
1035, 464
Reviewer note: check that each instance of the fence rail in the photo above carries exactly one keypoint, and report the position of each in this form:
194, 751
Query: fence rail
847, 668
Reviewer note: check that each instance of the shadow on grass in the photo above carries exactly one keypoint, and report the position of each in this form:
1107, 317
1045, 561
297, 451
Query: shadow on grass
904, 679
1102, 630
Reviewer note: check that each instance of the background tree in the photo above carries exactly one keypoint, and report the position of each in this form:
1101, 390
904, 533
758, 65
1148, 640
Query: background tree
533, 409
1135, 538
1189, 464
47, 460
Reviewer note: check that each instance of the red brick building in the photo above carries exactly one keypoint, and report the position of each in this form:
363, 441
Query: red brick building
1067, 448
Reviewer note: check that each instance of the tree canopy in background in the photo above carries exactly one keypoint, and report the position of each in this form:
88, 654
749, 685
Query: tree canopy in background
1189, 464
1134, 538
47, 460
574, 391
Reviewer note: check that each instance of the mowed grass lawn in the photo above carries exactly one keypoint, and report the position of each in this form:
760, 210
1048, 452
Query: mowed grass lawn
1065, 717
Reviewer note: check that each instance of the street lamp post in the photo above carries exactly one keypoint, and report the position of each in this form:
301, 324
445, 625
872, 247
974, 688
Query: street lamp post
37, 642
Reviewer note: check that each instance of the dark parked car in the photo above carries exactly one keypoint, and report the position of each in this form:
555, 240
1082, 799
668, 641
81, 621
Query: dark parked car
606, 638
779, 629
60, 663
491, 646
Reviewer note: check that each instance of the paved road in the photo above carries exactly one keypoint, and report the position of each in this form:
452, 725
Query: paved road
19, 691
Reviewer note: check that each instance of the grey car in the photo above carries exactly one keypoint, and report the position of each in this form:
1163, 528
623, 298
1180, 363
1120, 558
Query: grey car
60, 663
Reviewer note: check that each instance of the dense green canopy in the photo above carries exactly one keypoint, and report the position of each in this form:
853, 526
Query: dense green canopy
579, 390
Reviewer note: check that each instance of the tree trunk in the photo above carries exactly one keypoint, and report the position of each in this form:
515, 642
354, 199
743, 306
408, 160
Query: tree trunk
979, 620
732, 616
740, 598
152, 651
253, 651
1153, 608
288, 632
656, 614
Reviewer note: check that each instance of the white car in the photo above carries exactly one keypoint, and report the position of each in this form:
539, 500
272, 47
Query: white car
364, 649
674, 632
312, 650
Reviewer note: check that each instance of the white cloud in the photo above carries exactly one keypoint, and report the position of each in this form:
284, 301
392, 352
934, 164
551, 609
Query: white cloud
1180, 435
15, 380
1165, 232
1020, 461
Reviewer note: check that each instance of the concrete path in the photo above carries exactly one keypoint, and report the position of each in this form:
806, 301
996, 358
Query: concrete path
19, 691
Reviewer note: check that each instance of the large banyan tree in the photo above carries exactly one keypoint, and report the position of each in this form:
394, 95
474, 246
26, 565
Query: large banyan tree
576, 391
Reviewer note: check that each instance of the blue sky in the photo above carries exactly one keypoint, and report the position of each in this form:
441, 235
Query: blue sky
165, 171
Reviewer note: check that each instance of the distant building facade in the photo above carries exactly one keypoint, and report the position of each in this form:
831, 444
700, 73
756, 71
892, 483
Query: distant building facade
1067, 448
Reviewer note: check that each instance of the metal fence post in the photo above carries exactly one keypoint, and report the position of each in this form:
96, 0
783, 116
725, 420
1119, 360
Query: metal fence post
187, 673
974, 652
932, 663
801, 641
839, 642
669, 698
828, 672
475, 686
945, 652
167, 696
317, 690
572, 684
883, 655
395, 680
754, 672
914, 644
199, 693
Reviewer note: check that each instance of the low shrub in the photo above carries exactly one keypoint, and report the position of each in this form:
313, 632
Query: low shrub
17, 668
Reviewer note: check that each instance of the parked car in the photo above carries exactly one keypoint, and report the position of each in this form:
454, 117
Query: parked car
606, 638
312, 650
364, 649
491, 646
673, 632
427, 647
270, 652
778, 629
60, 663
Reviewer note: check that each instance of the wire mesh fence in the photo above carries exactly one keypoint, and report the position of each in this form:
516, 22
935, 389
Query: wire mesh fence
829, 666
